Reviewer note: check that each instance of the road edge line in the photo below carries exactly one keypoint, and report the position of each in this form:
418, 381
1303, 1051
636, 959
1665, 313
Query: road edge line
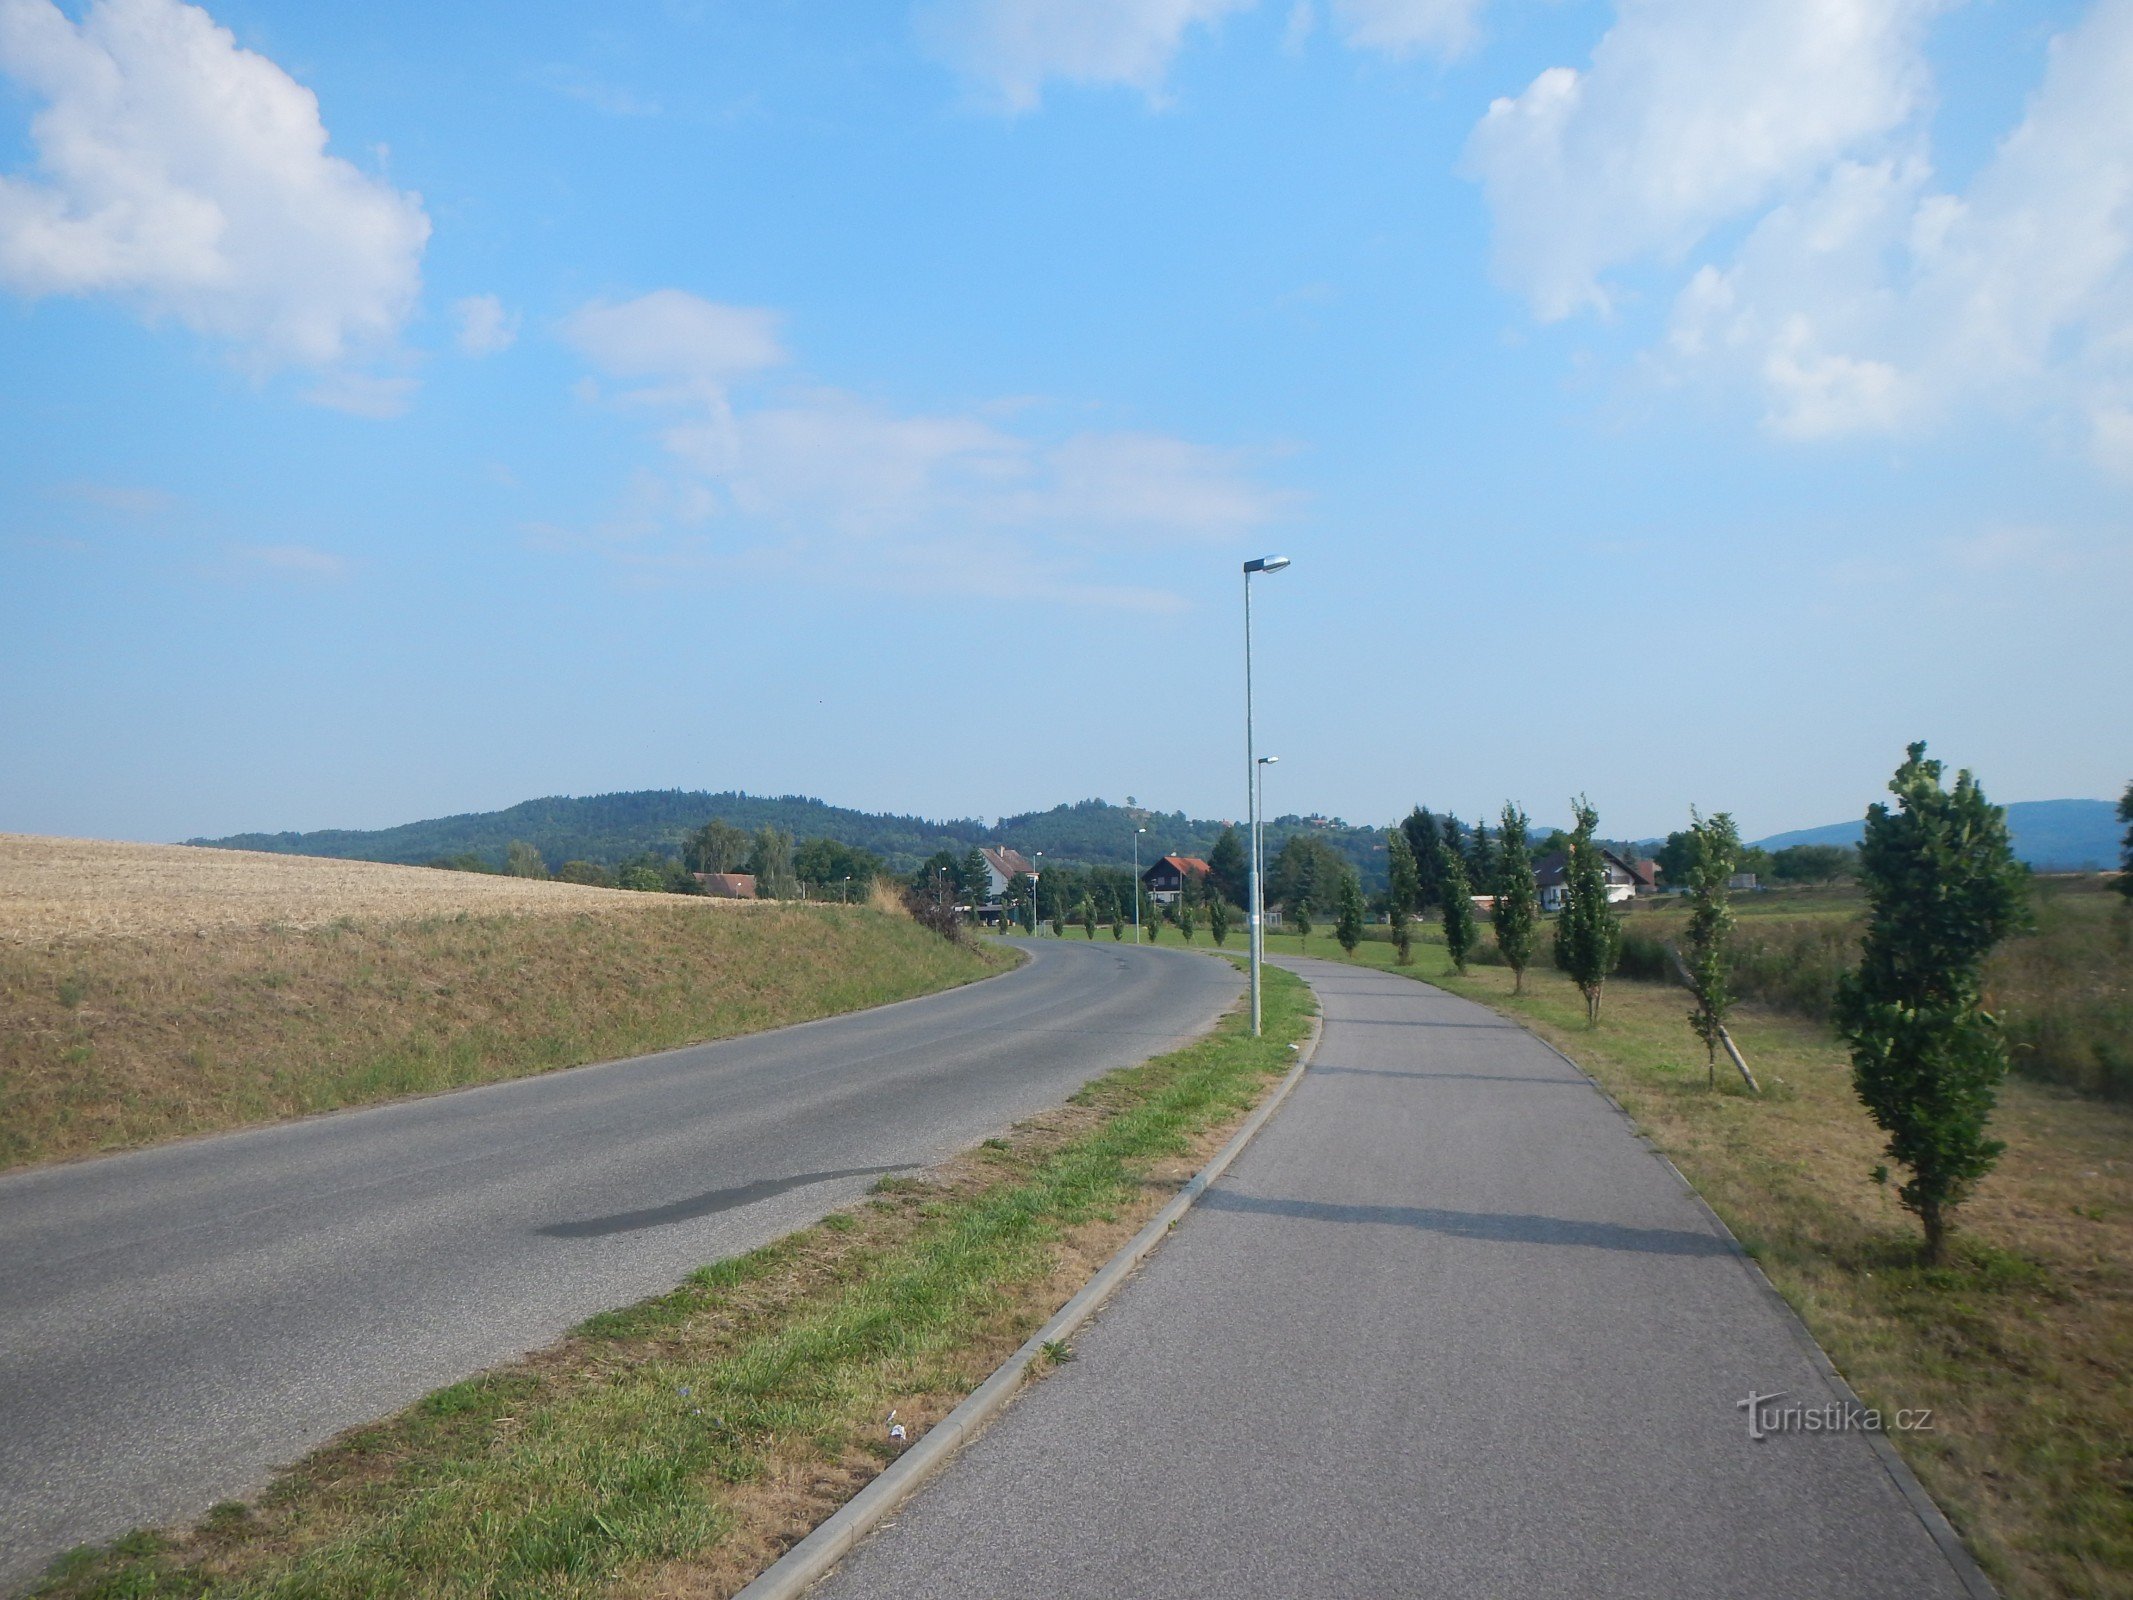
832, 1539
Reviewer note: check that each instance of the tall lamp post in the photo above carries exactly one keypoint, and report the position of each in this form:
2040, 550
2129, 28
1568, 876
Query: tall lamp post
1137, 832
1264, 564
1036, 920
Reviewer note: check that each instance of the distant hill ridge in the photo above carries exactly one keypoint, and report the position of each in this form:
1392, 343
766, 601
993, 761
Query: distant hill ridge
2050, 835
609, 828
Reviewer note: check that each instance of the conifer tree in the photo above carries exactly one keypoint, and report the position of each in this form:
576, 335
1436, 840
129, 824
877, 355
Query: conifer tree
1587, 936
1459, 930
1218, 919
1714, 850
1942, 889
1426, 844
1348, 926
1227, 869
974, 880
1400, 858
1088, 916
1480, 858
1516, 914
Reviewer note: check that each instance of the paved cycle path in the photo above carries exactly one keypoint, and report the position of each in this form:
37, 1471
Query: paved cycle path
1447, 1328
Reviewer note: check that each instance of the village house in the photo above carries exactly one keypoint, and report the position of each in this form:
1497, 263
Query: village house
1001, 866
1625, 879
1165, 881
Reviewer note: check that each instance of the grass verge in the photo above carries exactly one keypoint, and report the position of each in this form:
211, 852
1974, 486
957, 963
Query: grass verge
123, 1040
681, 1445
2022, 1345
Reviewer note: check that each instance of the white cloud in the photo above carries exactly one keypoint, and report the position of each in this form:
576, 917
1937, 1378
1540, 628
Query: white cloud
485, 327
1444, 28
120, 498
1862, 297
1689, 114
1012, 48
850, 480
190, 178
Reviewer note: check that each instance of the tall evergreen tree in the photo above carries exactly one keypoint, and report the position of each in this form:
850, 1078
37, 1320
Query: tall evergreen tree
1348, 926
1088, 915
1427, 846
1714, 848
1480, 858
974, 880
1587, 935
1218, 918
1459, 929
2125, 850
1942, 889
1516, 914
1228, 868
1400, 896
1118, 918
1454, 832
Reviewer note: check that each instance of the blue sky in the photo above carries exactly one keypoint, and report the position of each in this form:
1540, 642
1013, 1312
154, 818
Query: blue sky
406, 412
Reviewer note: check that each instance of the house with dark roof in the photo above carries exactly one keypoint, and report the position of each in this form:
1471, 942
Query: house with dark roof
1002, 865
1165, 881
1625, 879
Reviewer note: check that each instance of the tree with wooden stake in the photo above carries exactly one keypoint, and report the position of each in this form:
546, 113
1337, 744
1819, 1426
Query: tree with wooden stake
1460, 932
1516, 914
1942, 889
1300, 914
1348, 926
1587, 937
1714, 849
1400, 857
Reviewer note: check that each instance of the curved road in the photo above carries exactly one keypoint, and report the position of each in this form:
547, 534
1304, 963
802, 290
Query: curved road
176, 1322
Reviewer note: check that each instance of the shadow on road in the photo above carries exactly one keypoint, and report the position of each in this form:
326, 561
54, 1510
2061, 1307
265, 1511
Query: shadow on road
1493, 1226
707, 1204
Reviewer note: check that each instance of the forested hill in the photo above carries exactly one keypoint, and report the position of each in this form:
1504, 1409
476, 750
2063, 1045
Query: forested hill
611, 828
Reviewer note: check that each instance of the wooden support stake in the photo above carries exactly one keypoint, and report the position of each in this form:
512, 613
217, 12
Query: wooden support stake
1688, 982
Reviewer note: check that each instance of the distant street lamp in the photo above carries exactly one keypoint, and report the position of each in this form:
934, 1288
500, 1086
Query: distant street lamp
1036, 922
1137, 832
1257, 909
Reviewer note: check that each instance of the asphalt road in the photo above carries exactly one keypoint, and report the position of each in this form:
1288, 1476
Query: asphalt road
1446, 1328
177, 1322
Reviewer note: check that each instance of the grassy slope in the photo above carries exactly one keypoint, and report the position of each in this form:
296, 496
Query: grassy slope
122, 1041
2023, 1347
681, 1445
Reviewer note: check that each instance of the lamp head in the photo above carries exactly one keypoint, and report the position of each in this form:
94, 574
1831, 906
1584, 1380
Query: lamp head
1265, 761
1266, 564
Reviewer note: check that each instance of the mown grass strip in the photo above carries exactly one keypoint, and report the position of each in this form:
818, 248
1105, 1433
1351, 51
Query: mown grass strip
2022, 1344
683, 1443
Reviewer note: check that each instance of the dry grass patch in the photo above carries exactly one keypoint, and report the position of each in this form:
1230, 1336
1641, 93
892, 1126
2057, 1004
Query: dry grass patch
2023, 1345
678, 1447
67, 890
121, 1040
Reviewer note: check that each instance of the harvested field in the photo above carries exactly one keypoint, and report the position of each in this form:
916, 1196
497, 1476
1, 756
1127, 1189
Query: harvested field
55, 890
149, 991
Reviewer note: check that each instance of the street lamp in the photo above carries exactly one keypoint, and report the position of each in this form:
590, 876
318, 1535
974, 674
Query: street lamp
1137, 832
1034, 878
1264, 564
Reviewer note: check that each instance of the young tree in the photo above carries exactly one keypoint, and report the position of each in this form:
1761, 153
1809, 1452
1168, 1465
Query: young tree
1516, 914
1460, 933
1058, 918
1152, 920
1088, 915
1348, 925
1018, 903
522, 860
1714, 847
1300, 915
1187, 916
1117, 914
1587, 936
1228, 869
1942, 888
1218, 919
1400, 861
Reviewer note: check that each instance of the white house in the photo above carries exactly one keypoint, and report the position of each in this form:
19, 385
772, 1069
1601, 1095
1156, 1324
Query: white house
1000, 866
1625, 880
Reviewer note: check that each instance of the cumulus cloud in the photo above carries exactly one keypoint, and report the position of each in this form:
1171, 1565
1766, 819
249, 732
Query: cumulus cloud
190, 177
1445, 28
1012, 48
769, 461
1863, 295
485, 327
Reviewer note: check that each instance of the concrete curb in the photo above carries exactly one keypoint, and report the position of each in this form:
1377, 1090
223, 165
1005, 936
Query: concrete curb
1935, 1521
811, 1560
